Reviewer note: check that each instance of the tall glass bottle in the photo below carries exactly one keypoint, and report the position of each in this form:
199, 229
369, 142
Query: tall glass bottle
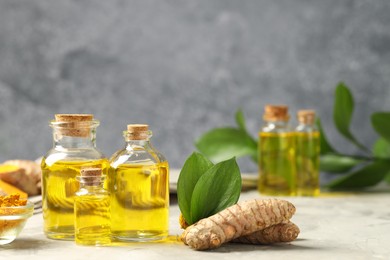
138, 182
307, 154
92, 209
74, 148
276, 153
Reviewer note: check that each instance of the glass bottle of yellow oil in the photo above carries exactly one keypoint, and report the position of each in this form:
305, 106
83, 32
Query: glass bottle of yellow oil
92, 210
138, 182
277, 171
74, 148
307, 154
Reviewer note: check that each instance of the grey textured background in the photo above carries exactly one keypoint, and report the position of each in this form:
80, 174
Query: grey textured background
184, 67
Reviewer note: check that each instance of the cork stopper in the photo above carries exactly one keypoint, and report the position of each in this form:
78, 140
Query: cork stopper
306, 116
137, 131
276, 113
76, 125
73, 117
91, 176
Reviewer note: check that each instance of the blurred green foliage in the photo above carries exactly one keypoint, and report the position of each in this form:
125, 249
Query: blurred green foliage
368, 168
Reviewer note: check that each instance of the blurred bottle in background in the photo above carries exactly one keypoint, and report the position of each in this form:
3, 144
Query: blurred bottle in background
307, 154
277, 162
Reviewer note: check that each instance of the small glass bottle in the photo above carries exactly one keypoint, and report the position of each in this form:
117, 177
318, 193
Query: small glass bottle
74, 138
138, 181
92, 209
307, 154
276, 153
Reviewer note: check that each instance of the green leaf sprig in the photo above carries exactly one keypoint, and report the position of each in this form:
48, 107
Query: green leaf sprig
359, 171
355, 171
223, 143
342, 113
204, 189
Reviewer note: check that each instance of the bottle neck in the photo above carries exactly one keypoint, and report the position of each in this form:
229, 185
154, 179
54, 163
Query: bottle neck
137, 144
306, 124
91, 186
276, 125
74, 134
68, 141
311, 127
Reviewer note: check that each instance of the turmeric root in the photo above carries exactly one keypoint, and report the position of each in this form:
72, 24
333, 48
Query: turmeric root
238, 220
283, 232
32, 168
7, 189
22, 174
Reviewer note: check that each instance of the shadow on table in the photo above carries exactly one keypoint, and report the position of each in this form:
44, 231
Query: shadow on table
26, 244
237, 247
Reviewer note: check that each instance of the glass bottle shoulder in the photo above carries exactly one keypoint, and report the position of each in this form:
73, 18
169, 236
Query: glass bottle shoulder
98, 191
137, 155
101, 197
306, 128
278, 127
70, 155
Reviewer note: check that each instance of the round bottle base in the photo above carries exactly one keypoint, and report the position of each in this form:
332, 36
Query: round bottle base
69, 236
139, 236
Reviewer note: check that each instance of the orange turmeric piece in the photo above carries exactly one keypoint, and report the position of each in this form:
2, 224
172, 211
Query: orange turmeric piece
236, 221
283, 232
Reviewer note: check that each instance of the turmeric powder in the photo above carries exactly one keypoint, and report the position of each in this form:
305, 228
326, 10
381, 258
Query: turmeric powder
12, 200
236, 221
9, 205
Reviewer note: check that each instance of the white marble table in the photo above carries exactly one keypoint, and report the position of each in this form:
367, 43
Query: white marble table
339, 226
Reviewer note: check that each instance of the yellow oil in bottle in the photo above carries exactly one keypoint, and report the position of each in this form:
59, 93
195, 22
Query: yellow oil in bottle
139, 201
92, 218
307, 156
277, 164
60, 185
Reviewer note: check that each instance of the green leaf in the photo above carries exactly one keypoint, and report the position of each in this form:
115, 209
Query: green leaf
367, 176
387, 178
381, 123
381, 149
223, 143
240, 120
334, 163
325, 147
194, 167
216, 190
342, 113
